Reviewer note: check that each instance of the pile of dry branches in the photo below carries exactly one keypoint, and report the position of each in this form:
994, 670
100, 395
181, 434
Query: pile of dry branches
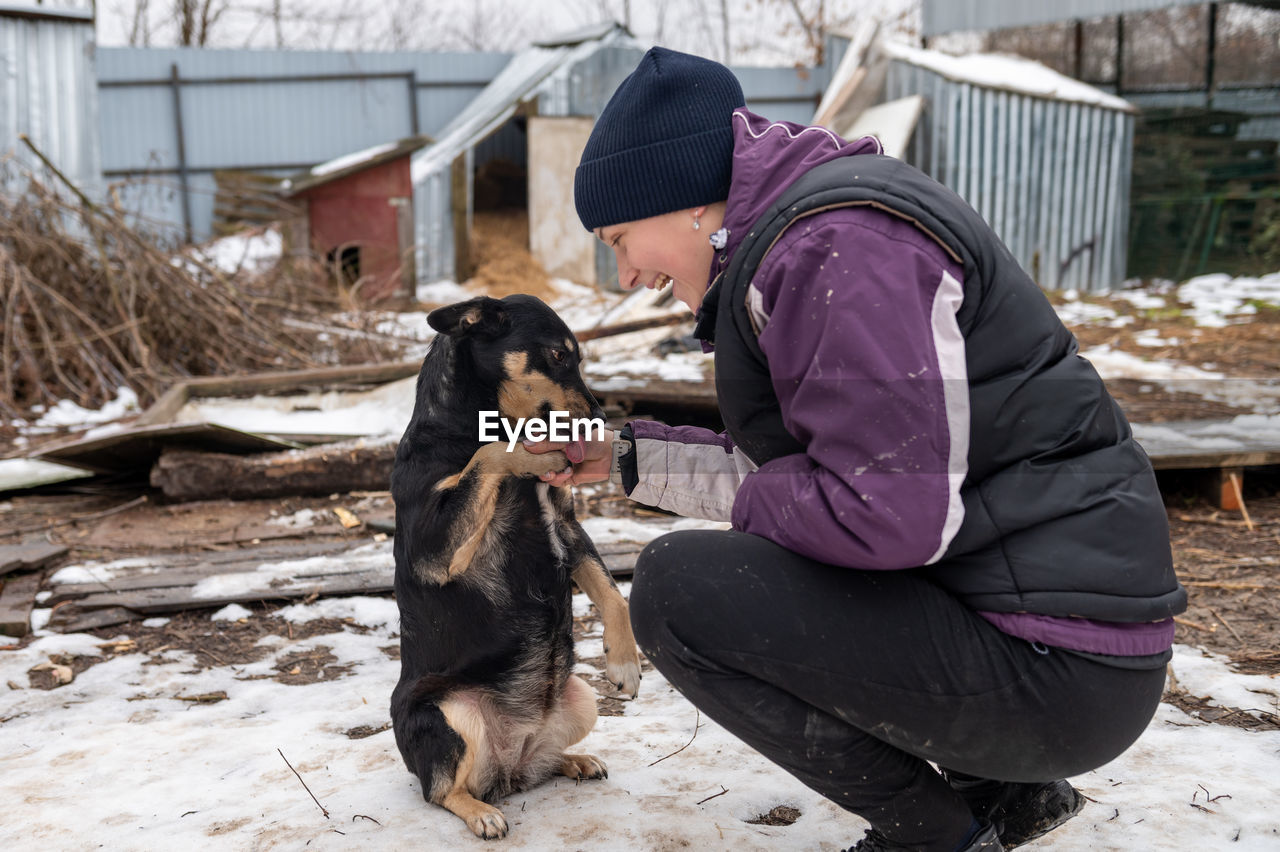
92, 304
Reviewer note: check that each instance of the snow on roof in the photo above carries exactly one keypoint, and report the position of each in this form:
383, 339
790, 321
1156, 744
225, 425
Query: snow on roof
350, 163
352, 159
1000, 71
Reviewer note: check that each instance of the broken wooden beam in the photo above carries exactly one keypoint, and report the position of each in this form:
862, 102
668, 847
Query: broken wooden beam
355, 465
28, 556
17, 599
634, 325
172, 582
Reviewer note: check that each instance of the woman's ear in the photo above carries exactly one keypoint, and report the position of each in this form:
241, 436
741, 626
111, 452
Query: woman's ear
483, 317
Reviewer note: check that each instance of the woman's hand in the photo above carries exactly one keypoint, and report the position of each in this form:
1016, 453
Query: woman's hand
589, 460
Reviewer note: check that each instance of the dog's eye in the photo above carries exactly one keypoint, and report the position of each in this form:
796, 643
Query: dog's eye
559, 355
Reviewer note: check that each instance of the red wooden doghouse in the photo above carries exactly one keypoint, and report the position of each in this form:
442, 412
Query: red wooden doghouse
358, 211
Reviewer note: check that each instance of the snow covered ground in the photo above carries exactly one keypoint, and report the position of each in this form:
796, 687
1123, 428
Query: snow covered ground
115, 759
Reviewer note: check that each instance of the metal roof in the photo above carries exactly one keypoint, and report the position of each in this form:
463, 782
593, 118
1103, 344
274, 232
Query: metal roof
1006, 73
516, 83
52, 10
349, 164
945, 16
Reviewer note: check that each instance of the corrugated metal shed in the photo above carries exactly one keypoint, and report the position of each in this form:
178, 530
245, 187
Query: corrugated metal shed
270, 111
1046, 160
945, 16
47, 87
562, 71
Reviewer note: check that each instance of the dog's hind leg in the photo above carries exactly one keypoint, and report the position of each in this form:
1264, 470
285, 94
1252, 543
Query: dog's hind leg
574, 719
470, 779
445, 745
622, 660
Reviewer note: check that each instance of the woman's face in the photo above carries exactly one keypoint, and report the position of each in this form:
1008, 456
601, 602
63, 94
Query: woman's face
650, 252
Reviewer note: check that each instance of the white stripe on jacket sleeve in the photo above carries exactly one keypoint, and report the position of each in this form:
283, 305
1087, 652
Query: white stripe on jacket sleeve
948, 343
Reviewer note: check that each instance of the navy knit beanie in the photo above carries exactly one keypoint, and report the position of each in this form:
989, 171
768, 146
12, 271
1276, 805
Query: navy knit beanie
664, 141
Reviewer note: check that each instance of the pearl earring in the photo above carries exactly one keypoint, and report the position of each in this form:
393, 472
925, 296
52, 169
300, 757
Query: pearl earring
696, 224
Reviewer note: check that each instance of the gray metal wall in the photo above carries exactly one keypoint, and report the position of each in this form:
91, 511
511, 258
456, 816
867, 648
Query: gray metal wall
276, 112
945, 16
1051, 177
47, 87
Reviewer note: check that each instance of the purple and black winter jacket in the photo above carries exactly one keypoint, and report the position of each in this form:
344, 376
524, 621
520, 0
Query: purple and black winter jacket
899, 395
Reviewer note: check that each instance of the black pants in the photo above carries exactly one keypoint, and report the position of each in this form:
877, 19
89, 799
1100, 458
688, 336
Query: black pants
853, 680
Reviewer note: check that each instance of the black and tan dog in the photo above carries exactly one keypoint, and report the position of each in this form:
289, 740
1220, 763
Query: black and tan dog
485, 552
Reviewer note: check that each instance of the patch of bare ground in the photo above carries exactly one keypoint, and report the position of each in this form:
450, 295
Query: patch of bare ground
780, 815
1248, 348
225, 643
1231, 569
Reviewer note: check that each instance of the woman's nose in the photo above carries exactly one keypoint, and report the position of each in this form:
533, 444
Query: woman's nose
627, 278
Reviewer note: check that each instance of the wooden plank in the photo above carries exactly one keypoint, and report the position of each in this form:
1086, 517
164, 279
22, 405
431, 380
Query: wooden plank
629, 392
166, 407
176, 570
136, 447
621, 563
70, 620
460, 204
634, 325
142, 590
29, 556
1203, 444
841, 97
17, 599
892, 123
176, 598
1211, 460
249, 384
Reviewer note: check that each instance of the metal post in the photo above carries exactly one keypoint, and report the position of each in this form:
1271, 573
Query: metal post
1079, 49
176, 82
414, 127
1211, 58
1119, 52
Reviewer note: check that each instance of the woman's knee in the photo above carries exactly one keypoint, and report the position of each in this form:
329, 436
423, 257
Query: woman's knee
653, 589
664, 591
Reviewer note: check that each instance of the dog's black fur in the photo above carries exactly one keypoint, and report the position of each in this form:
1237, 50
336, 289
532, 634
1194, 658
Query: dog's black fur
485, 553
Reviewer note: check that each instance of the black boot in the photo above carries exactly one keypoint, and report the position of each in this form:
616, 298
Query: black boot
1021, 812
985, 840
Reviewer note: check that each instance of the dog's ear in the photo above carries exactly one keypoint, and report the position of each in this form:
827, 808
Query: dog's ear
484, 317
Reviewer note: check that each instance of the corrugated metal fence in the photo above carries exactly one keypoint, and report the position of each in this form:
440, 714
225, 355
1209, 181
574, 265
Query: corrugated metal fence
1051, 177
944, 16
48, 88
173, 117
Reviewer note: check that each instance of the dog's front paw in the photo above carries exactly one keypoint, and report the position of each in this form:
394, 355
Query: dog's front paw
525, 463
487, 822
622, 668
583, 767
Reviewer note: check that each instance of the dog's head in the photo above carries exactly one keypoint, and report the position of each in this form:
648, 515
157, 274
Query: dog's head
520, 348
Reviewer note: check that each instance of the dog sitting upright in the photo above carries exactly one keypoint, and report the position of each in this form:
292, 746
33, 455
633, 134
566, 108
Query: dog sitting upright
487, 702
